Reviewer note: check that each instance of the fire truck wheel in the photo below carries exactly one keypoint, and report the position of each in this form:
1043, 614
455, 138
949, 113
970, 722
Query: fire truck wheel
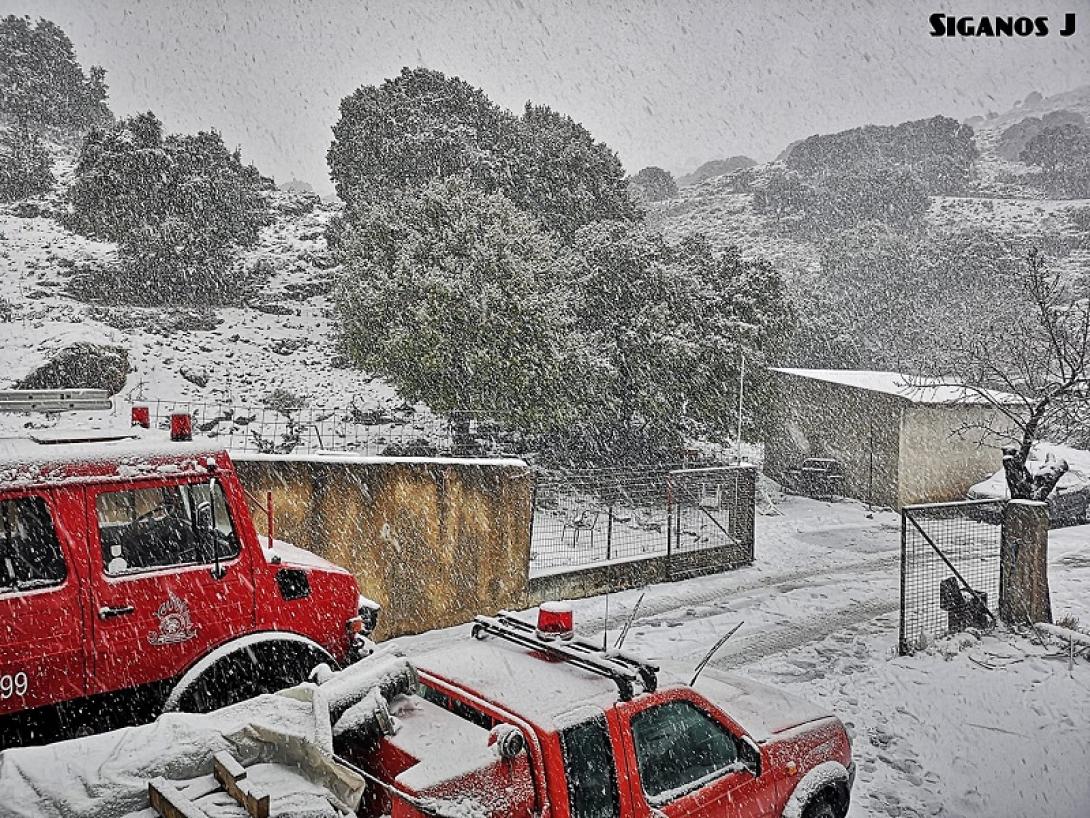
249, 671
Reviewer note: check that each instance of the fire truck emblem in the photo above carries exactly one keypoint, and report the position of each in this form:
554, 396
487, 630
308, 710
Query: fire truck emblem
174, 623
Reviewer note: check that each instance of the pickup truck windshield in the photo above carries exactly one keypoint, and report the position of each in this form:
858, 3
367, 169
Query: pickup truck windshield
678, 749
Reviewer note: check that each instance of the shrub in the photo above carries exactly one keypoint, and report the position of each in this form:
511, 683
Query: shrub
26, 168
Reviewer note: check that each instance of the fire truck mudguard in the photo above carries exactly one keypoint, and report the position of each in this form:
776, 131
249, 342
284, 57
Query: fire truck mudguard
245, 667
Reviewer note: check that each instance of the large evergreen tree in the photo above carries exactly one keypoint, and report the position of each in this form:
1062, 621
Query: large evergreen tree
422, 125
449, 292
41, 81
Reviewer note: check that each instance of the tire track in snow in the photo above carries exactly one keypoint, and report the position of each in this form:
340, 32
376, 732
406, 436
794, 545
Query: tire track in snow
705, 592
771, 641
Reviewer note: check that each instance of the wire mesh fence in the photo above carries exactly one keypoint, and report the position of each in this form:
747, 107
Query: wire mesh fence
591, 516
712, 518
949, 567
301, 430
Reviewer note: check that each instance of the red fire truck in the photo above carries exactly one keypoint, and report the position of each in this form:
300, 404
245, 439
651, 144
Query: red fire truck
132, 580
522, 722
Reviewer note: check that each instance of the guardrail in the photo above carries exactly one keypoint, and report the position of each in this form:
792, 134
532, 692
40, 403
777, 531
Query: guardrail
54, 400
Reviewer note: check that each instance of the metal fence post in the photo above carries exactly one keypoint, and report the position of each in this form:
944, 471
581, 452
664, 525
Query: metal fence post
669, 526
902, 642
609, 533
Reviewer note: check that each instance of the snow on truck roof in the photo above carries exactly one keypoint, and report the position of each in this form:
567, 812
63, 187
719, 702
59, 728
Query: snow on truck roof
49, 456
527, 683
908, 387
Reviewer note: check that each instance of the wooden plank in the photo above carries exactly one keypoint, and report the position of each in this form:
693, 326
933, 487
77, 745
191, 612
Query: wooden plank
169, 803
231, 776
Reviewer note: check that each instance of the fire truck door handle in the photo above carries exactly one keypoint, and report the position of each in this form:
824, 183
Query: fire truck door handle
107, 612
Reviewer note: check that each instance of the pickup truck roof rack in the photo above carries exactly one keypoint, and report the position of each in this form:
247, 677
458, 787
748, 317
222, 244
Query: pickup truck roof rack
623, 669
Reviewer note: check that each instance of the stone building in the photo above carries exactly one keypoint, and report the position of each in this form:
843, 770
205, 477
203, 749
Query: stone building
898, 440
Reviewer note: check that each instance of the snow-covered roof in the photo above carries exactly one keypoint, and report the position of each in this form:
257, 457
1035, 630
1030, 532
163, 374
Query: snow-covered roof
908, 387
528, 684
59, 456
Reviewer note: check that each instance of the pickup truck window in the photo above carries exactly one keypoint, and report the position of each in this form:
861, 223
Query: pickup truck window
30, 556
589, 765
157, 527
678, 749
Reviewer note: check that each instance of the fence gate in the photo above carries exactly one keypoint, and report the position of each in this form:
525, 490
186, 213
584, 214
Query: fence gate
949, 567
709, 521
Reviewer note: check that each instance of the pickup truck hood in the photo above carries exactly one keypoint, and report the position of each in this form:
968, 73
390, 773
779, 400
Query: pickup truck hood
762, 710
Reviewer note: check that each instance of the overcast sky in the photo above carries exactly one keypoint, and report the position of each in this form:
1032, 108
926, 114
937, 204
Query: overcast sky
669, 83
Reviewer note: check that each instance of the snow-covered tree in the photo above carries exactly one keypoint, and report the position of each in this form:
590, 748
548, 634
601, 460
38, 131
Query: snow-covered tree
41, 81
663, 328
653, 184
423, 125
1042, 356
451, 293
178, 207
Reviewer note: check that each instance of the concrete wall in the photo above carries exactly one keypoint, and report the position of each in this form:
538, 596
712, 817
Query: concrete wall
946, 449
859, 428
435, 541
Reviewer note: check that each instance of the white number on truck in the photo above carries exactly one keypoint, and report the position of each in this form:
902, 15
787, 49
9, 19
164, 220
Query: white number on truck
13, 685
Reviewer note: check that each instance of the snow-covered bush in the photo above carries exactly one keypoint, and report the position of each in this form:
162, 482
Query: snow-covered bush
26, 168
178, 207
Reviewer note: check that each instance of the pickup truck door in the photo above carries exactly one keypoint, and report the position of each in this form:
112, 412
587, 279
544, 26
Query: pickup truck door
684, 760
156, 605
41, 606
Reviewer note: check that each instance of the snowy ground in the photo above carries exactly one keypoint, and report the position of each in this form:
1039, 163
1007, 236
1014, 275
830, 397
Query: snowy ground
995, 726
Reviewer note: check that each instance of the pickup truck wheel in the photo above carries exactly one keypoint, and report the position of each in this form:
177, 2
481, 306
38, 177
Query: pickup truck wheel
262, 668
819, 808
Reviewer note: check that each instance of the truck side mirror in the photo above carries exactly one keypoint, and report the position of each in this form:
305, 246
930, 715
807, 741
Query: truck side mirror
750, 755
206, 537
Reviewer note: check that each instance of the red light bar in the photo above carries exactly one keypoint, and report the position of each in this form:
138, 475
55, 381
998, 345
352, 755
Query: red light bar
181, 426
141, 416
554, 619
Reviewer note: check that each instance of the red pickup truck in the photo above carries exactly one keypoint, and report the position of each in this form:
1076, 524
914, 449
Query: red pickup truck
132, 581
519, 723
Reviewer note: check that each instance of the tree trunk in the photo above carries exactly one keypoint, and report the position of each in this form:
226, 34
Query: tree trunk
1023, 563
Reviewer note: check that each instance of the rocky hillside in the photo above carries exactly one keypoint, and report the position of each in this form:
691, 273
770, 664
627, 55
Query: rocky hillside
276, 348
997, 198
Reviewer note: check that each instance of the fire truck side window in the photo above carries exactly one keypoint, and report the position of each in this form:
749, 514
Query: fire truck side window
30, 556
144, 529
678, 749
588, 763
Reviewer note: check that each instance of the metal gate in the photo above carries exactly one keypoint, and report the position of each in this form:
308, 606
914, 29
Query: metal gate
949, 568
709, 522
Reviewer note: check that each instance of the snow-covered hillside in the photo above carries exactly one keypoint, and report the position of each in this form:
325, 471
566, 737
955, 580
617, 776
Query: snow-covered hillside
280, 341
722, 209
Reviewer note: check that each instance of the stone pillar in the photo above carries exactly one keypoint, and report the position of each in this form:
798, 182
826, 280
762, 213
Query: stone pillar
1023, 563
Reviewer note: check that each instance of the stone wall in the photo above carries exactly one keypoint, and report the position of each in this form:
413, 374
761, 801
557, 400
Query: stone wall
434, 541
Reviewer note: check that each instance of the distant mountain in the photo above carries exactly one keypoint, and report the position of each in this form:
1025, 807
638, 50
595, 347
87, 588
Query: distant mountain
716, 167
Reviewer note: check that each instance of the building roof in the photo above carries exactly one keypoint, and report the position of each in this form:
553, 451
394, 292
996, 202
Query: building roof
907, 387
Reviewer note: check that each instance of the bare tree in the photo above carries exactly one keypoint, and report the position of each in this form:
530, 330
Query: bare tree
1033, 368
